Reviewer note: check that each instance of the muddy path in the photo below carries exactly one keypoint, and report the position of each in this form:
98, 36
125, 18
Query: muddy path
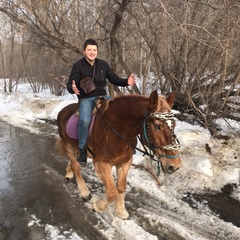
35, 203
32, 197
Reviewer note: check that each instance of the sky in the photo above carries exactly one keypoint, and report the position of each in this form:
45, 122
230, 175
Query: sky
200, 170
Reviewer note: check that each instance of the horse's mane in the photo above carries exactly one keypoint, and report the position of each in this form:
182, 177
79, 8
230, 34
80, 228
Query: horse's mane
130, 96
130, 101
163, 104
136, 98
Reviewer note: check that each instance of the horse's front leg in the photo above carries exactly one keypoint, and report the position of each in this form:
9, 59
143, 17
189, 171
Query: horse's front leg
119, 205
104, 172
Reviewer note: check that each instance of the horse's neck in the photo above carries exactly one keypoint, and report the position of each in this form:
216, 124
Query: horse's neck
130, 114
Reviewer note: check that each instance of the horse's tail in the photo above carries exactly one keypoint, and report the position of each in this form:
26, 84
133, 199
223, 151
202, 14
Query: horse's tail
60, 146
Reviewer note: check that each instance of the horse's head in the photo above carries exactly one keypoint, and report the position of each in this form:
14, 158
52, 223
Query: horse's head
159, 134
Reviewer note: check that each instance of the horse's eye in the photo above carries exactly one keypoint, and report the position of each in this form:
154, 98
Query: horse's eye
157, 127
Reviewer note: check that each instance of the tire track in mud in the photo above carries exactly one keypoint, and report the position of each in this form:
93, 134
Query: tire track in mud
169, 221
163, 222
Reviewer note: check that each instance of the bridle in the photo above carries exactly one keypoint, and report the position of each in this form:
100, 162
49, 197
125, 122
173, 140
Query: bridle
169, 120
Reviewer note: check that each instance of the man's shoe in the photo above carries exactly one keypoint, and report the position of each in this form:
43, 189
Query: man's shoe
82, 157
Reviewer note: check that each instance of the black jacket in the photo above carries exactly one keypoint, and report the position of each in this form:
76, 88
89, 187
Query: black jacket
83, 68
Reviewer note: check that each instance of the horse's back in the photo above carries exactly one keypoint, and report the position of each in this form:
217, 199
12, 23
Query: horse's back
67, 112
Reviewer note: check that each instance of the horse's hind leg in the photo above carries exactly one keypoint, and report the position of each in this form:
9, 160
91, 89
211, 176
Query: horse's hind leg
74, 167
104, 172
119, 205
69, 173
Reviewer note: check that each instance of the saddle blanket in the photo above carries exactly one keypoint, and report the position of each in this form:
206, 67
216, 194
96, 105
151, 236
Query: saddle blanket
72, 126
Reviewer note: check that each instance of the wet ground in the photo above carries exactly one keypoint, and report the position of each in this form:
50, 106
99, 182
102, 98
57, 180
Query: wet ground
34, 197
29, 189
220, 203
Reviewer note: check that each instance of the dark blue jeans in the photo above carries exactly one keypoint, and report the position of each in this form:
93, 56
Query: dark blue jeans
85, 109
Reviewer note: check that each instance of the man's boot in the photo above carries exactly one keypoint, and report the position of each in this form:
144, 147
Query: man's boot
82, 158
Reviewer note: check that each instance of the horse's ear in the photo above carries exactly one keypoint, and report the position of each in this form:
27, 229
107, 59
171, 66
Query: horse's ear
170, 99
153, 100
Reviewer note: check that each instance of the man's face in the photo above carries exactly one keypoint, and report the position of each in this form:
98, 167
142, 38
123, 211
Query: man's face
91, 52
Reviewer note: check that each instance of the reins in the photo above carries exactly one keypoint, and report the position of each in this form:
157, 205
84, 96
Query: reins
145, 134
124, 139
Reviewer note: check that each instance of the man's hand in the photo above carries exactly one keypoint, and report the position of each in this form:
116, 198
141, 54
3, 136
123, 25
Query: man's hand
131, 80
74, 88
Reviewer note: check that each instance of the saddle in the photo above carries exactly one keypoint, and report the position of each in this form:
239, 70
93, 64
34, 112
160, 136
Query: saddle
97, 105
101, 104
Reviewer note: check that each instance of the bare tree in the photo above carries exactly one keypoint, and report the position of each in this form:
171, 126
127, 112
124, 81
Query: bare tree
194, 47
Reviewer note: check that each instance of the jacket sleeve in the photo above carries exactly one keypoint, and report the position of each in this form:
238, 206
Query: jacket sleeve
74, 75
114, 79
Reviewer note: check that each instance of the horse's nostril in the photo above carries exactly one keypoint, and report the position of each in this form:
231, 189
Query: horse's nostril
171, 169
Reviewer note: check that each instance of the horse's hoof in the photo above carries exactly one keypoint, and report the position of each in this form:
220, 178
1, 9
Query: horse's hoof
67, 180
87, 198
95, 208
123, 215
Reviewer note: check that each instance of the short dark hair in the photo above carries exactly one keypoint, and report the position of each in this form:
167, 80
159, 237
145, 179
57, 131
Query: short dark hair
89, 42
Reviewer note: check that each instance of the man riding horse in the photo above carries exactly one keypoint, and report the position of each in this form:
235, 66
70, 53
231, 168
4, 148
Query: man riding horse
99, 70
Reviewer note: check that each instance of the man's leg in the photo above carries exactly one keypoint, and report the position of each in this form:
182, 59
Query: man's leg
85, 110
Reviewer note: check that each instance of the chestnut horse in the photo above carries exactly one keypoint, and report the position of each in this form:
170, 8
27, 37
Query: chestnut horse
113, 139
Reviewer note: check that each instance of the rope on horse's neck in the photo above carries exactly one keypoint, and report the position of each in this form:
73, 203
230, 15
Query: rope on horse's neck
125, 140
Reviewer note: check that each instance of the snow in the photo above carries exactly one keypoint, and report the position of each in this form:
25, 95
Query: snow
200, 169
126, 228
53, 233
